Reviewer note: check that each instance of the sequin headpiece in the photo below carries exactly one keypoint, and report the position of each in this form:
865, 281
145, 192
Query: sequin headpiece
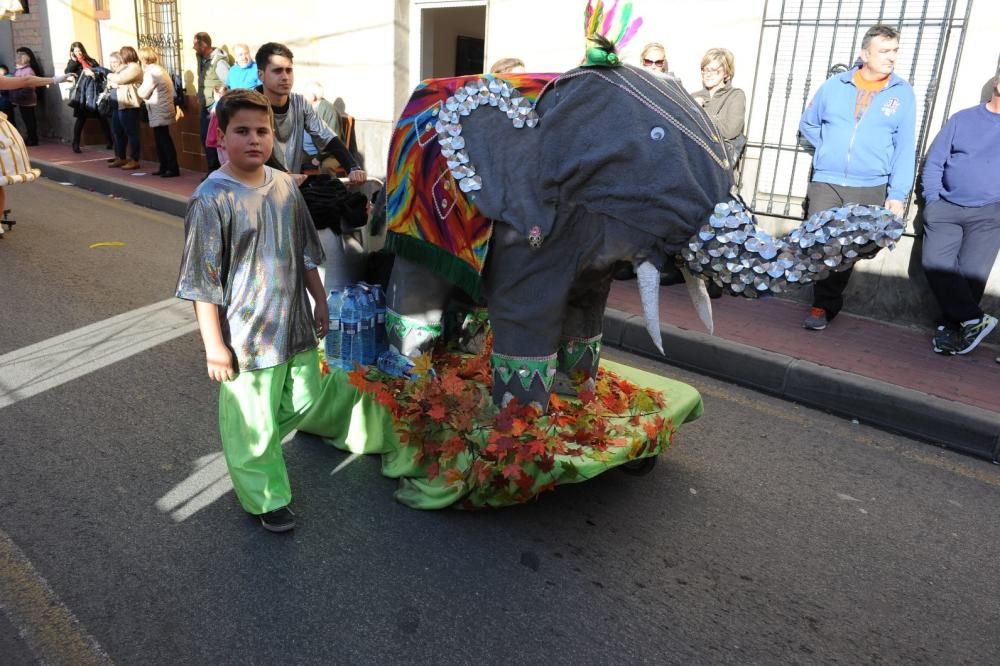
607, 32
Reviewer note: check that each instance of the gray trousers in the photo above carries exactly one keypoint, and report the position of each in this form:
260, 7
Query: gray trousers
960, 247
829, 293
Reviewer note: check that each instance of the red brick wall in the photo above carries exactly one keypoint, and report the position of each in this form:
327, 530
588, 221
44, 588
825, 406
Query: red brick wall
27, 31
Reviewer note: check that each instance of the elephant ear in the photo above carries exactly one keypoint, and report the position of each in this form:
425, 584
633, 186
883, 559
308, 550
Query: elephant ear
611, 152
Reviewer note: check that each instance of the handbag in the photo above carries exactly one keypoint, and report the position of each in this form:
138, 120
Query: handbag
128, 97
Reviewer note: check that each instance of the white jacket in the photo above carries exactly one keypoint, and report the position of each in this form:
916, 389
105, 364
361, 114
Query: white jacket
158, 91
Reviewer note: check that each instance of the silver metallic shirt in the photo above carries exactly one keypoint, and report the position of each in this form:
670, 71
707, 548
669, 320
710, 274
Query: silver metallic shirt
247, 249
290, 129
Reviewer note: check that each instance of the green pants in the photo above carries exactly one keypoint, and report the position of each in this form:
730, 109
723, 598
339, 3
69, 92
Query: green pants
257, 410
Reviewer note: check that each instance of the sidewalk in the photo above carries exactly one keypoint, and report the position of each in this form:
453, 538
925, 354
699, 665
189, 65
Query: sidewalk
878, 373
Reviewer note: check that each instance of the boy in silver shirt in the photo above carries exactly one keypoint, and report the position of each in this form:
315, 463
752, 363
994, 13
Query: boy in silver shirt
249, 265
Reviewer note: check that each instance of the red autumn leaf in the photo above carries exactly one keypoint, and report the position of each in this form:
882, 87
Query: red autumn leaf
546, 463
587, 396
651, 430
432, 471
511, 470
546, 487
525, 482
504, 421
482, 471
437, 412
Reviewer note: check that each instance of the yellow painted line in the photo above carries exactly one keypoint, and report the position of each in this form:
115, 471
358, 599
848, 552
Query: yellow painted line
107, 244
49, 628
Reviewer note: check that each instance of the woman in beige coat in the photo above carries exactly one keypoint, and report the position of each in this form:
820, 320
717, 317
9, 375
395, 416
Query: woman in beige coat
158, 91
125, 121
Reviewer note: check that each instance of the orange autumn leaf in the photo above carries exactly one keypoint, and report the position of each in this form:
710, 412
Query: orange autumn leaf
556, 404
452, 384
453, 477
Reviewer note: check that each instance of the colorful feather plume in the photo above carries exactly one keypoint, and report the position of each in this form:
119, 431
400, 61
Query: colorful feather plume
614, 25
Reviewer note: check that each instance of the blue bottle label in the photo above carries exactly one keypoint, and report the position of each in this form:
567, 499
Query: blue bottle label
350, 328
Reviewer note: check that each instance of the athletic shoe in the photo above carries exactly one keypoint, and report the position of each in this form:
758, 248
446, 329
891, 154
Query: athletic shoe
945, 340
972, 334
816, 321
279, 520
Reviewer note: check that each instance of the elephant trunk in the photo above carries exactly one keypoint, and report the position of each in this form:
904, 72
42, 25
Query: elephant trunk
747, 261
649, 294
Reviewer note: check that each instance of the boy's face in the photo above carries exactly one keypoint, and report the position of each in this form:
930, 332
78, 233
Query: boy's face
248, 139
278, 77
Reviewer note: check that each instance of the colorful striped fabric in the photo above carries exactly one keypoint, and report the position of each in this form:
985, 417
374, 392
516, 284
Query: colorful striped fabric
430, 220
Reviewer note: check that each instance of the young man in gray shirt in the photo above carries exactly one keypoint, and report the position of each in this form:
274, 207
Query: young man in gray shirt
294, 117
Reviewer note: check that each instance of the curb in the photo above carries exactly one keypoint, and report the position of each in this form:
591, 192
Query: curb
921, 416
946, 423
136, 193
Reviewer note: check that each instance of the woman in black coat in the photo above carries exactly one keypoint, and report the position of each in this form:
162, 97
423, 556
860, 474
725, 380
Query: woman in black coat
84, 67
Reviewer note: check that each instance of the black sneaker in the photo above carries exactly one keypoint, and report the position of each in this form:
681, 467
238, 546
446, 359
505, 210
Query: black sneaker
972, 334
945, 340
279, 520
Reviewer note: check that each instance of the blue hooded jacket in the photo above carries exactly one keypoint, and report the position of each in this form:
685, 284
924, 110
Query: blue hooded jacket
880, 148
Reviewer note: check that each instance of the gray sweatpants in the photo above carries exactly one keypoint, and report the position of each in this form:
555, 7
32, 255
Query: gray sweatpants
960, 248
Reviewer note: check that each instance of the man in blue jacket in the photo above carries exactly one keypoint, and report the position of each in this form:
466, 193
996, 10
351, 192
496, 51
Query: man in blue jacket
861, 124
962, 222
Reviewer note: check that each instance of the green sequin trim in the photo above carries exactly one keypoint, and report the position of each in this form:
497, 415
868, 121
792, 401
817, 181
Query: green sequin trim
526, 368
573, 349
402, 326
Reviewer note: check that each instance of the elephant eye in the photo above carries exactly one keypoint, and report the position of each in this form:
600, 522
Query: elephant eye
656, 134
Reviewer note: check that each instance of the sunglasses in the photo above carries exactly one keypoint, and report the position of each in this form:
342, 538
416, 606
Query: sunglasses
650, 63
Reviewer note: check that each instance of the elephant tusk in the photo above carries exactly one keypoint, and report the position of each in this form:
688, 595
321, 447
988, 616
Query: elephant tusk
649, 294
698, 292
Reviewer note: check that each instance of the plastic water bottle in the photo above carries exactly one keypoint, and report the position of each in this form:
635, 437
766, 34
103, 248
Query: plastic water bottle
381, 334
333, 336
367, 325
395, 364
350, 324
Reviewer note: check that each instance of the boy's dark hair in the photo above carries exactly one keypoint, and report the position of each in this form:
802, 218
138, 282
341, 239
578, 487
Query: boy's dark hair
881, 30
204, 38
265, 52
239, 99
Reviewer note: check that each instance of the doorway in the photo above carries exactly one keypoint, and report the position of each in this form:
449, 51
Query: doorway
452, 39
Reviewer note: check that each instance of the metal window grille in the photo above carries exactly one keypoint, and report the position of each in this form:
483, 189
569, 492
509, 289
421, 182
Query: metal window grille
802, 43
157, 26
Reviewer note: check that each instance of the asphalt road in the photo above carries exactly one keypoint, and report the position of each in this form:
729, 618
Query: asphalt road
769, 533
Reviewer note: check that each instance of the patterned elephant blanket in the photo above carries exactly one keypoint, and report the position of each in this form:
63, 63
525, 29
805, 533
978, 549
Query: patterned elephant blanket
429, 220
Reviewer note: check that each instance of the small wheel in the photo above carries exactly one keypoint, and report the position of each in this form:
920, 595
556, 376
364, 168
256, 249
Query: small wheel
640, 467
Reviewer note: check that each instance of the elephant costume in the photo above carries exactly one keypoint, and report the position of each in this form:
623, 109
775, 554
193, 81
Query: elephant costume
560, 178
609, 165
